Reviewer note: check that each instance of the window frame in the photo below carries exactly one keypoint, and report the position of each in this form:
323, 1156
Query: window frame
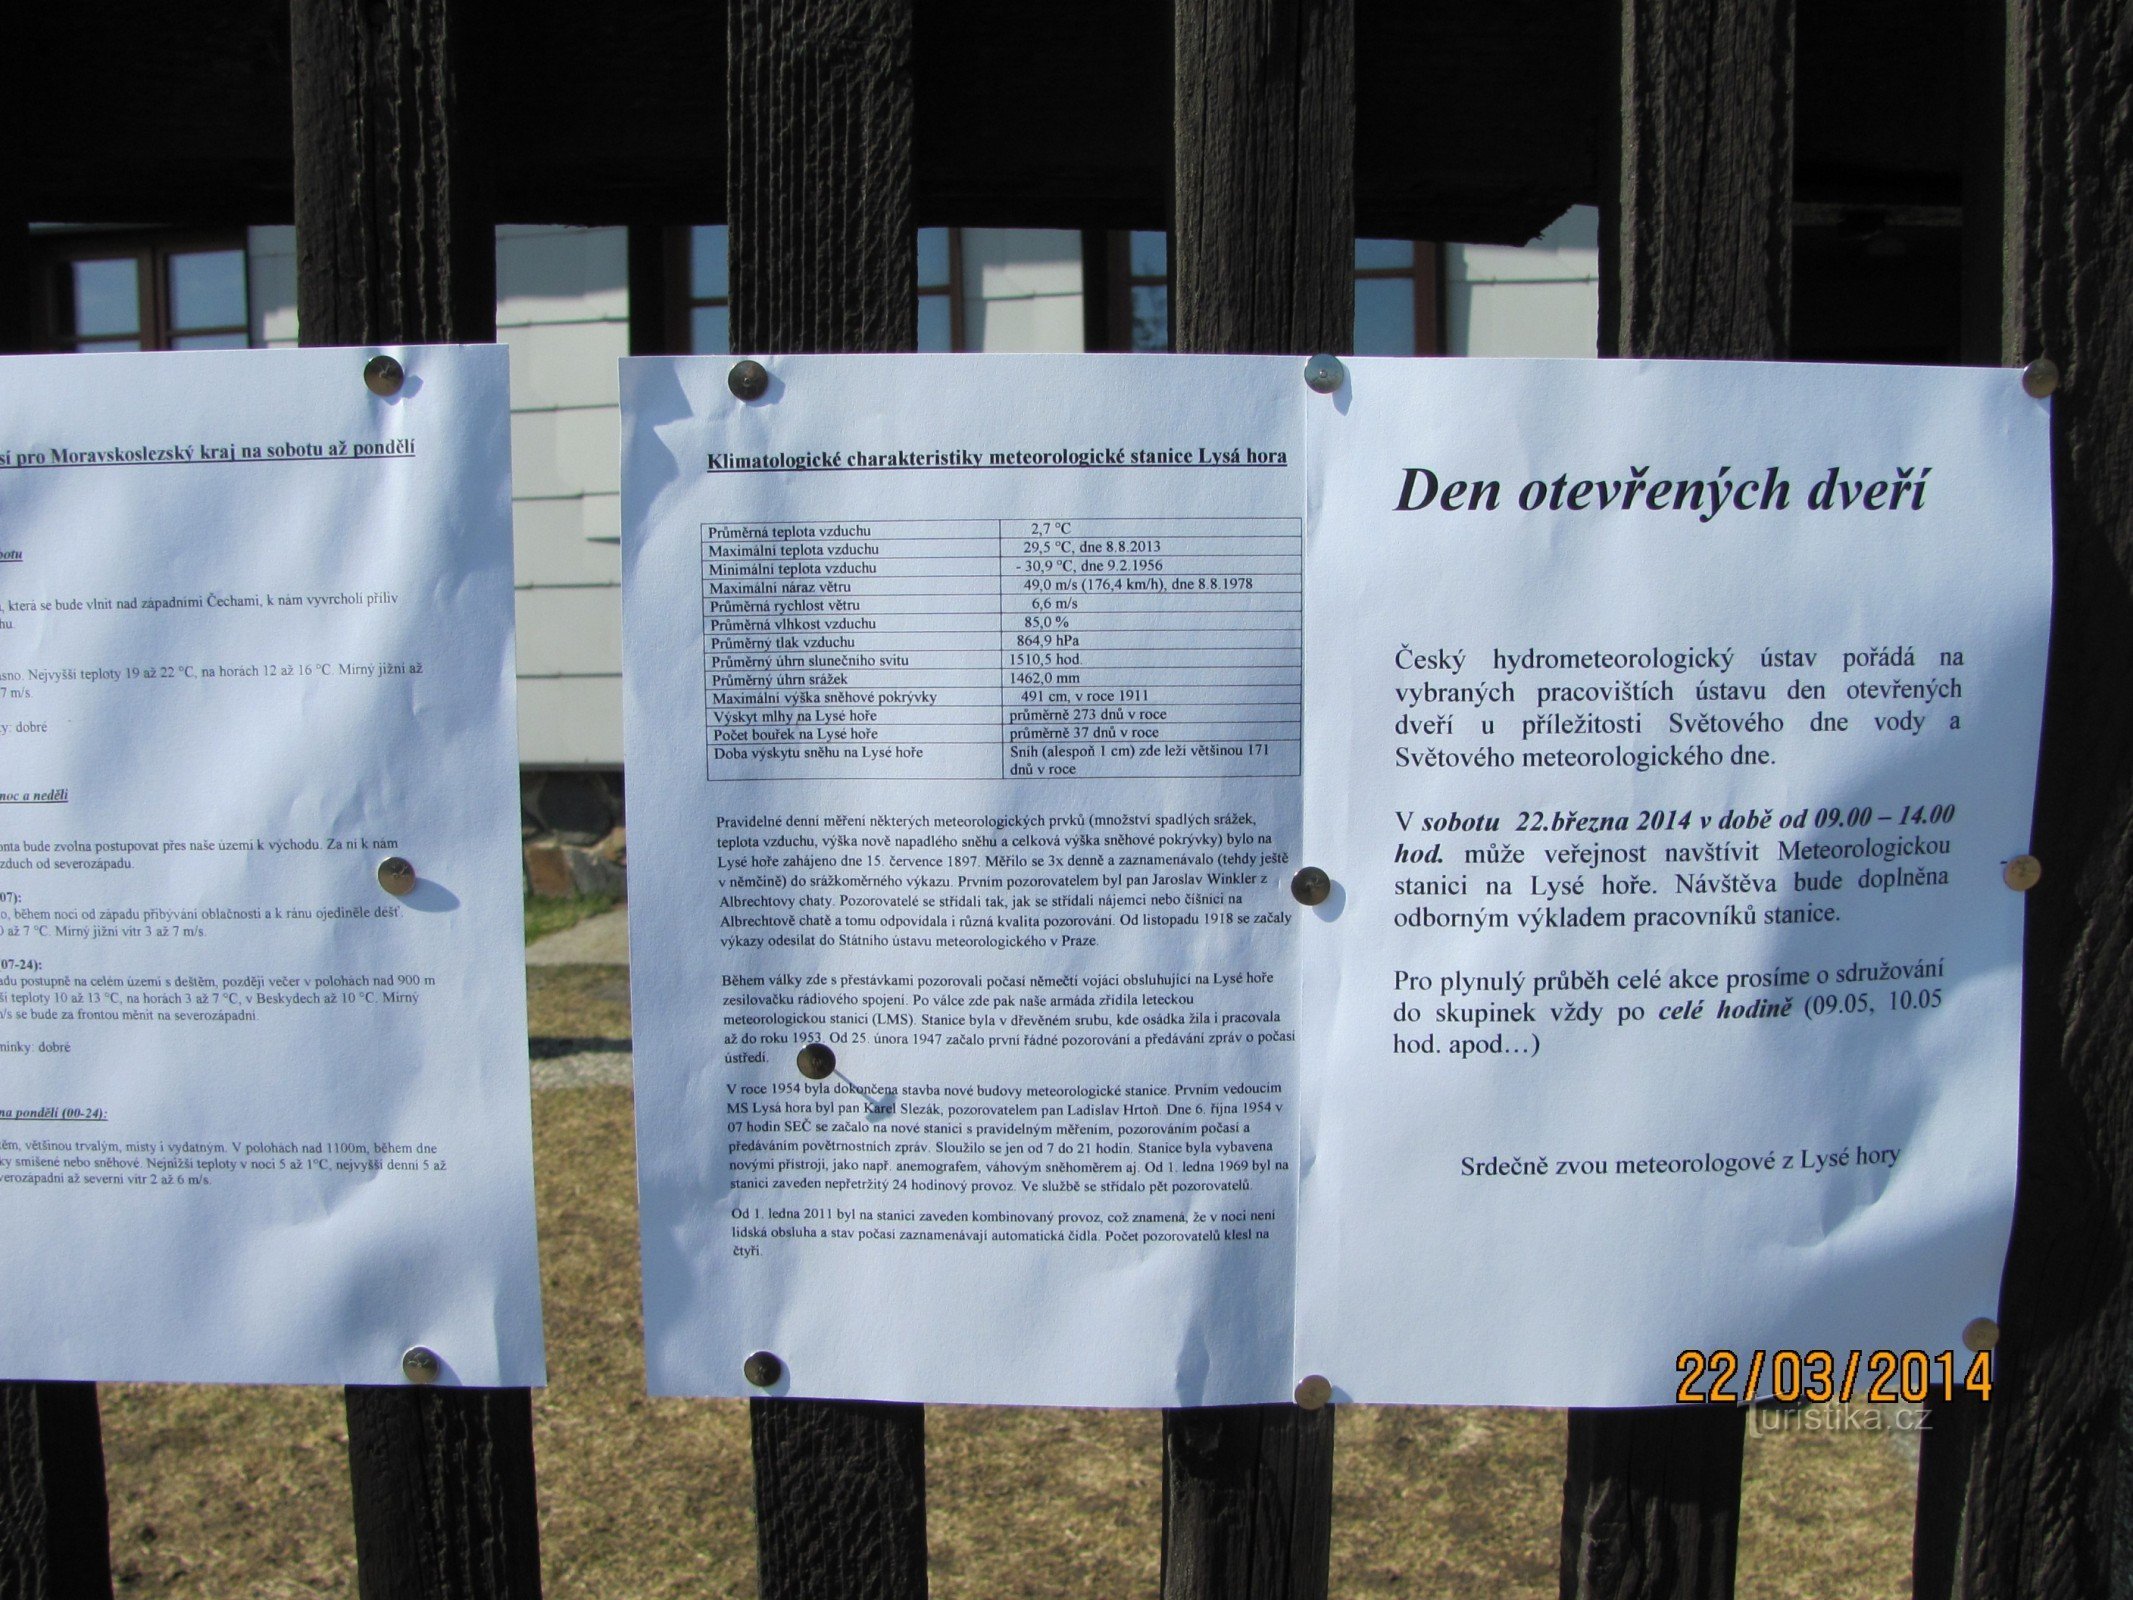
678, 304
151, 251
1108, 282
1428, 274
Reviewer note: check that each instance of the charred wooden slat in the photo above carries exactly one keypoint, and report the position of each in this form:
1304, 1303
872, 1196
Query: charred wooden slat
2050, 1497
55, 1537
1695, 260
396, 244
823, 258
1263, 260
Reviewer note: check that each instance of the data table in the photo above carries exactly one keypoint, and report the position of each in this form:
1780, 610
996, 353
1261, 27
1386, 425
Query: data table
957, 648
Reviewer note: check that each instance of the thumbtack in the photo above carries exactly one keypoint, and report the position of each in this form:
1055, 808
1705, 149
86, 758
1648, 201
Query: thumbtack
2040, 378
420, 1363
1980, 1334
1313, 1392
749, 380
2023, 873
396, 875
1324, 374
763, 1369
1311, 886
816, 1060
382, 375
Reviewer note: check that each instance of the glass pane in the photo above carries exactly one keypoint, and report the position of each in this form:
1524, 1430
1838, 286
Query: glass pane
1148, 255
709, 331
208, 341
99, 346
107, 297
1385, 317
1384, 252
707, 265
207, 289
936, 326
932, 260
1151, 317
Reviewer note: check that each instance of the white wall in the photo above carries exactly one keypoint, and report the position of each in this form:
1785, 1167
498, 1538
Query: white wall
562, 305
271, 253
1541, 299
1021, 289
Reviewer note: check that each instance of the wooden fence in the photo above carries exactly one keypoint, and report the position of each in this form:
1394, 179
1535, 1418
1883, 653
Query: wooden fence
398, 175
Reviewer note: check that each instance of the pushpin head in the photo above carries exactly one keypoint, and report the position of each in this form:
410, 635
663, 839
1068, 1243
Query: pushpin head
749, 380
382, 375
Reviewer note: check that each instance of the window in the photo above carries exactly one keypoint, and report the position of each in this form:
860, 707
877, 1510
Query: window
1126, 290
707, 310
1396, 311
704, 321
940, 288
130, 292
1396, 298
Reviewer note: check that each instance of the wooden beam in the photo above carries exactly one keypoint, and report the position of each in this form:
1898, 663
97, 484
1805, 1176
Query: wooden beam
18, 295
1262, 259
2051, 1489
1247, 1503
55, 1536
1696, 191
823, 257
1477, 120
1695, 260
395, 240
840, 1500
55, 1539
1263, 253
444, 1494
395, 244
819, 99
1651, 1503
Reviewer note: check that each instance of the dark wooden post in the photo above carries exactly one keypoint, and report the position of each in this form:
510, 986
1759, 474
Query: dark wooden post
2050, 1507
819, 192
1696, 187
1263, 258
1695, 260
395, 239
54, 1520
395, 244
1948, 1441
55, 1540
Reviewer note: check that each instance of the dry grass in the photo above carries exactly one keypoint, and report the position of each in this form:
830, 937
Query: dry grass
544, 916
244, 1492
572, 1006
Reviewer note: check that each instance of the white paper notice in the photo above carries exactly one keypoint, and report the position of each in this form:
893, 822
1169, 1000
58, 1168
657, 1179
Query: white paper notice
962, 713
1664, 729
1670, 726
260, 1120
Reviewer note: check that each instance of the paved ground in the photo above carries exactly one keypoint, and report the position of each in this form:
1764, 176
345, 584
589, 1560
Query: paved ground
601, 941
597, 941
